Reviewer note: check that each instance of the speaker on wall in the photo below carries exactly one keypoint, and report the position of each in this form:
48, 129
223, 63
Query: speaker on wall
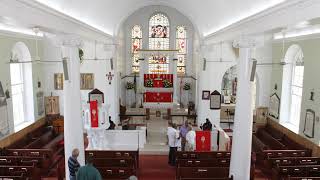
204, 64
111, 63
253, 70
65, 68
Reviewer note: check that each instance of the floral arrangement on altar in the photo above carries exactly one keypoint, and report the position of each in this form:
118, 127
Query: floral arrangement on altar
130, 85
187, 86
167, 84
149, 83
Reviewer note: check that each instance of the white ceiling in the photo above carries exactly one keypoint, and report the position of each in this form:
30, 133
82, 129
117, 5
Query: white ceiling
208, 16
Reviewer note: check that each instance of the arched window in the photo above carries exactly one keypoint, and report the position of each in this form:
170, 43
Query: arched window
159, 40
181, 45
21, 85
136, 44
292, 86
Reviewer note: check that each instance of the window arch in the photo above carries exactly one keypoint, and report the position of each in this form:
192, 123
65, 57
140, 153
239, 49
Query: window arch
159, 29
181, 45
136, 44
21, 85
292, 88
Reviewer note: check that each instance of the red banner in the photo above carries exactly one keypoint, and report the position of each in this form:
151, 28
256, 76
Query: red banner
158, 97
203, 140
94, 114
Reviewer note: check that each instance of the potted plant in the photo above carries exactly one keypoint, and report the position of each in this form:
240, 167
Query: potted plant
149, 83
130, 85
187, 86
166, 83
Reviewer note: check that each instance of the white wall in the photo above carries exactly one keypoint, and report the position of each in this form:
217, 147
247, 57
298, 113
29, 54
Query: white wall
211, 78
7, 42
141, 17
99, 68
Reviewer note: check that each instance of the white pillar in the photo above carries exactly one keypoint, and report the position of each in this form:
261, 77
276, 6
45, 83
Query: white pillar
176, 84
242, 133
73, 125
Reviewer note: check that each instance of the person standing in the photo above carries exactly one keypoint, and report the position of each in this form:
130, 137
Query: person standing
173, 137
207, 126
190, 139
88, 172
73, 164
183, 133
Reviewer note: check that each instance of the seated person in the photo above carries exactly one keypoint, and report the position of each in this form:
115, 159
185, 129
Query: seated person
207, 126
112, 125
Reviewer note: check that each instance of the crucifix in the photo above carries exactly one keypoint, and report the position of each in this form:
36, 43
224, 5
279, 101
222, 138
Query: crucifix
109, 76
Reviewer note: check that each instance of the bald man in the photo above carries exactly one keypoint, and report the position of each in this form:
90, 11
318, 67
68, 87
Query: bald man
73, 164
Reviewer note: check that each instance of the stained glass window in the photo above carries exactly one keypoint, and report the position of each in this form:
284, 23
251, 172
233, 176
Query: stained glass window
181, 45
159, 40
136, 44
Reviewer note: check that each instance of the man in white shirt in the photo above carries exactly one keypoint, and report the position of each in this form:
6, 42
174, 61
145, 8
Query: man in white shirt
190, 139
173, 136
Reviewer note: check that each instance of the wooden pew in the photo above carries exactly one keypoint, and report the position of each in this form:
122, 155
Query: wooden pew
15, 160
116, 173
269, 140
113, 154
302, 178
283, 172
293, 161
114, 162
199, 173
203, 162
28, 171
203, 155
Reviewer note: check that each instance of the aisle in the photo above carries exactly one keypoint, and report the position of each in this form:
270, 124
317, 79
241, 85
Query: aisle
155, 167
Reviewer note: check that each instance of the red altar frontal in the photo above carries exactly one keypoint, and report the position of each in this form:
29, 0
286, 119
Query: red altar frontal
161, 85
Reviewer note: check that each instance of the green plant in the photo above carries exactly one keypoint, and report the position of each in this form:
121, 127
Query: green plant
81, 55
149, 83
130, 85
187, 86
167, 83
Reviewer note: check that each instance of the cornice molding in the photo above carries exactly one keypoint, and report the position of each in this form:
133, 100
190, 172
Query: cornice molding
51, 11
256, 20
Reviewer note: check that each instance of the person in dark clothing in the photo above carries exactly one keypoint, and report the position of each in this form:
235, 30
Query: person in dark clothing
73, 164
112, 125
88, 172
207, 126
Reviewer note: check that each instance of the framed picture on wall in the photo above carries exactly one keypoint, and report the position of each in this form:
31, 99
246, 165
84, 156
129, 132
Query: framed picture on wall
274, 109
309, 123
86, 81
205, 95
215, 100
58, 81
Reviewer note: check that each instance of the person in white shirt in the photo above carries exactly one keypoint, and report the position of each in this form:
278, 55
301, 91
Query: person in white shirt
173, 137
190, 139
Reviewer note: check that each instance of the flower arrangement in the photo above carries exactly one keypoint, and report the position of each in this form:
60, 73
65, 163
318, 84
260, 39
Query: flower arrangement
149, 83
187, 86
166, 83
130, 85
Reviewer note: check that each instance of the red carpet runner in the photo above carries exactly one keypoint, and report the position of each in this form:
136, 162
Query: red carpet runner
155, 168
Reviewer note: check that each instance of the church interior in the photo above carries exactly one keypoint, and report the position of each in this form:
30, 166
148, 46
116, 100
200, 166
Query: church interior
160, 89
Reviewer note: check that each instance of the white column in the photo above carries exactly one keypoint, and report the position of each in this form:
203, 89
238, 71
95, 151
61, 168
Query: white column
242, 131
176, 84
73, 125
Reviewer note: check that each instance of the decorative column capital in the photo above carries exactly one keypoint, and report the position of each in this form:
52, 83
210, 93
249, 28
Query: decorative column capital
244, 42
